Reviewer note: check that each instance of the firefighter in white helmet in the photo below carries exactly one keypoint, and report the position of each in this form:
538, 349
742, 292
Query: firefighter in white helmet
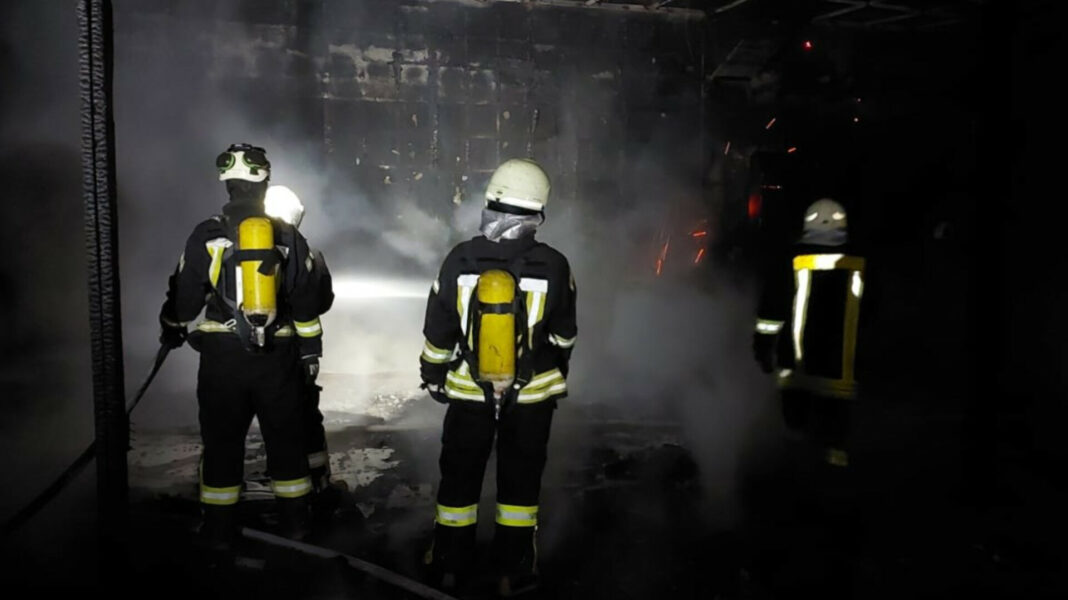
808, 328
500, 326
259, 343
282, 203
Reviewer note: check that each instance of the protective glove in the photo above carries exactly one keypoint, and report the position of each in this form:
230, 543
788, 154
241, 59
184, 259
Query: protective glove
433, 376
309, 365
764, 351
172, 336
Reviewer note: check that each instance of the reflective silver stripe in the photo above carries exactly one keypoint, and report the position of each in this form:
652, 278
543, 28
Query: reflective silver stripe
462, 516
181, 262
804, 280
768, 326
228, 327
434, 354
220, 495
517, 516
465, 287
545, 378
857, 286
436, 287
292, 488
538, 396
561, 341
308, 328
317, 459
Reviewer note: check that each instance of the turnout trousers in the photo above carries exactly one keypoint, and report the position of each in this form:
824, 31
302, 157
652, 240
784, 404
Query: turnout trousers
522, 434
825, 420
233, 386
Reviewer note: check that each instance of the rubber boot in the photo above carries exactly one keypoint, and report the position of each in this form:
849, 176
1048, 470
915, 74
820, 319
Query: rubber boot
516, 556
451, 558
294, 517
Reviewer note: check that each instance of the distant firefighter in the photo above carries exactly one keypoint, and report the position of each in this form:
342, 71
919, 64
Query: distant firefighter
500, 327
808, 325
259, 343
281, 203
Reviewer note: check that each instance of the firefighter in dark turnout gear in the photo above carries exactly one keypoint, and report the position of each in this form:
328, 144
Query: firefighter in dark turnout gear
259, 342
281, 203
500, 327
807, 329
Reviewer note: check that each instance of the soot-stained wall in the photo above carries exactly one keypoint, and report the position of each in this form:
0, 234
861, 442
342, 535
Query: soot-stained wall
424, 99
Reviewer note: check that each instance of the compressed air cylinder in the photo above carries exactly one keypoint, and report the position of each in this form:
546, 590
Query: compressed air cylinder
259, 302
496, 333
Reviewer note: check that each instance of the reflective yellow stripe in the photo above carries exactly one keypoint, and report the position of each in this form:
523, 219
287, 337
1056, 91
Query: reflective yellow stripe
561, 341
517, 516
216, 248
460, 385
220, 496
833, 388
433, 354
453, 516
828, 262
768, 326
308, 329
293, 488
209, 326
224, 496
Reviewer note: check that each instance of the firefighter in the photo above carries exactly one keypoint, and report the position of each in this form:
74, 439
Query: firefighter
281, 203
807, 329
500, 327
259, 343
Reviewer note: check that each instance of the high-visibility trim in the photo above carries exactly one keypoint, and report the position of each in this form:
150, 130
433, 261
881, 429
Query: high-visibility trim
530, 284
465, 286
457, 516
517, 516
219, 496
769, 326
309, 329
433, 354
850, 329
216, 248
537, 290
318, 459
435, 287
171, 323
561, 341
181, 262
845, 389
803, 280
857, 284
209, 326
828, 262
460, 385
292, 488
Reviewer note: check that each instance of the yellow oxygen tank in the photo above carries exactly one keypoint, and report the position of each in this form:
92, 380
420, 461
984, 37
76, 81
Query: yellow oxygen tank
259, 298
496, 333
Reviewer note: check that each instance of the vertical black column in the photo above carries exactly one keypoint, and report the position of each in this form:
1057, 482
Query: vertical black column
101, 230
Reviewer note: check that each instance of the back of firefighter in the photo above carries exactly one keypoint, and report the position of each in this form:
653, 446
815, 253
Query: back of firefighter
808, 329
507, 284
259, 343
282, 203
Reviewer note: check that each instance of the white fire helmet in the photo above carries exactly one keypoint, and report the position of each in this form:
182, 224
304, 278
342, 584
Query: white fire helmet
825, 215
282, 203
521, 183
243, 161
